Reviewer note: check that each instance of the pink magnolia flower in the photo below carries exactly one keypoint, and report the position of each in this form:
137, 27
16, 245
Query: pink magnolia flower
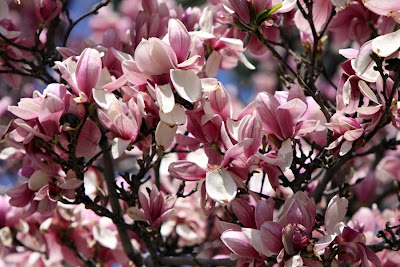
220, 183
225, 52
156, 208
123, 121
42, 191
87, 74
282, 117
351, 23
351, 242
345, 131
263, 237
54, 113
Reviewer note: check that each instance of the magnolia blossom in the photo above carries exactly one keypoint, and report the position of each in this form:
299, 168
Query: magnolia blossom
351, 242
346, 130
220, 183
156, 208
263, 237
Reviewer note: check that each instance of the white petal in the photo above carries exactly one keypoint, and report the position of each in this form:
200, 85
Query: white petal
233, 128
165, 134
254, 237
367, 91
287, 5
286, 153
105, 237
347, 92
209, 84
387, 44
212, 65
345, 148
187, 84
3, 10
136, 214
323, 242
103, 98
176, 116
165, 98
118, 147
341, 4
335, 213
206, 20
363, 64
295, 261
38, 180
220, 186
9, 152
246, 62
348, 53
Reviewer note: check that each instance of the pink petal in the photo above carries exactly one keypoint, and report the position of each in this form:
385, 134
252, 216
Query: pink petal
353, 135
88, 140
179, 39
235, 151
244, 212
306, 127
50, 113
20, 195
241, 9
187, 171
288, 115
132, 73
264, 211
271, 234
88, 70
220, 102
127, 127
266, 106
187, 142
29, 129
253, 130
237, 242
368, 255
382, 7
154, 57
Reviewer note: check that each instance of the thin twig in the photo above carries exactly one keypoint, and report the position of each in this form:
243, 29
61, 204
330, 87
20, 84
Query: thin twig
92, 12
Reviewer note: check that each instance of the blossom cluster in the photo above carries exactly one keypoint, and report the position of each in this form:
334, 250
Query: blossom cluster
199, 172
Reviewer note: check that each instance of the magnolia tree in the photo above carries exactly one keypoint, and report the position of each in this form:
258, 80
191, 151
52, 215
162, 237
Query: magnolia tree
130, 151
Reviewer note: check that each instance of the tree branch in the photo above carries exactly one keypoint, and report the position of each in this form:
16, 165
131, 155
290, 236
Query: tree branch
190, 260
92, 12
109, 176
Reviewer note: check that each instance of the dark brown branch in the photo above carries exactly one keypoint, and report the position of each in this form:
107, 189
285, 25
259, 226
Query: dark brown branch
9, 42
109, 176
190, 260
